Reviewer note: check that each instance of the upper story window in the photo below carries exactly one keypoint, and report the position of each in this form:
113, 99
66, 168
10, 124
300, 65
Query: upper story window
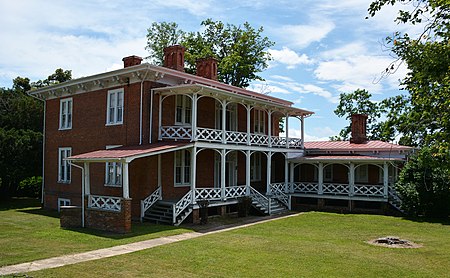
65, 113
183, 111
115, 107
182, 168
255, 167
63, 165
259, 121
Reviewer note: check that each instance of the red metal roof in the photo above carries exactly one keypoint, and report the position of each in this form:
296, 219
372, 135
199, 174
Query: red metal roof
129, 151
373, 145
347, 157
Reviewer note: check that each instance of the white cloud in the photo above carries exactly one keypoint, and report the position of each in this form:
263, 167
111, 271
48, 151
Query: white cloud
289, 57
321, 134
194, 7
302, 36
265, 88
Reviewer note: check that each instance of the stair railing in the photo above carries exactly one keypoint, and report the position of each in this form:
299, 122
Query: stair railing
260, 199
150, 201
394, 199
181, 205
277, 190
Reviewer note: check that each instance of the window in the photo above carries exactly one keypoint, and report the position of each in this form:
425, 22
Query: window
63, 165
182, 167
63, 202
361, 174
255, 167
328, 173
115, 107
113, 175
183, 110
65, 114
259, 121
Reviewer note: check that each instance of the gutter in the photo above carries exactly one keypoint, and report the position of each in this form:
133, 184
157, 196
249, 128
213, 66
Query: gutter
140, 107
82, 190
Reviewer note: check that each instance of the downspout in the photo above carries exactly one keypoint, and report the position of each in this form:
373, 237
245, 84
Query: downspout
82, 190
43, 150
151, 116
140, 108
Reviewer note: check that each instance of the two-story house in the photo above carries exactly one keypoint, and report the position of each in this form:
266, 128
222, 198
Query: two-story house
151, 142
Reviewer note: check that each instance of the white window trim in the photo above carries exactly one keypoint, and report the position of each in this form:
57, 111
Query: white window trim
183, 166
259, 119
65, 125
67, 165
115, 92
66, 202
184, 105
255, 161
114, 165
358, 177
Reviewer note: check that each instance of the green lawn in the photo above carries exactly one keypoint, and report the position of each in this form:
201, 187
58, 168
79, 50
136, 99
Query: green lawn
29, 233
309, 245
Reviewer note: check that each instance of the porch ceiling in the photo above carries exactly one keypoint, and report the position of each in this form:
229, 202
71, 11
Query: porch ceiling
129, 153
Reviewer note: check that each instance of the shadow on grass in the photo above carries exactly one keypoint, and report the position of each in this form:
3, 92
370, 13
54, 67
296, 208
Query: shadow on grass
19, 203
442, 221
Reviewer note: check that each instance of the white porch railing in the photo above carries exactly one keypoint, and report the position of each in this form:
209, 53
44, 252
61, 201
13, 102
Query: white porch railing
176, 132
336, 188
364, 190
278, 191
210, 194
259, 139
209, 134
236, 137
368, 190
105, 203
235, 191
181, 205
150, 201
262, 200
306, 187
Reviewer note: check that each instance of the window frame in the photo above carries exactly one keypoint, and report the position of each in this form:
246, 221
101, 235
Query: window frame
330, 172
359, 178
115, 120
64, 175
183, 109
65, 201
117, 174
184, 164
259, 121
65, 119
255, 167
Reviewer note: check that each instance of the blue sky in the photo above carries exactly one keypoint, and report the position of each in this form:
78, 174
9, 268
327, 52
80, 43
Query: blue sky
323, 47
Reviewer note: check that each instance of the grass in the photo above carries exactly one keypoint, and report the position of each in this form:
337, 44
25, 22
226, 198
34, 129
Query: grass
29, 233
308, 245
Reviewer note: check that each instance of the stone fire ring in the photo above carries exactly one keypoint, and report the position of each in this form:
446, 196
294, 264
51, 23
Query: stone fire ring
394, 242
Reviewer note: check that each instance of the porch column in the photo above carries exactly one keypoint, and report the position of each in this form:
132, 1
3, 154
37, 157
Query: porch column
269, 127
159, 170
87, 180
249, 109
292, 177
193, 172
247, 172
320, 178
194, 117
351, 177
159, 117
224, 121
268, 173
385, 180
286, 174
302, 124
223, 156
287, 130
125, 185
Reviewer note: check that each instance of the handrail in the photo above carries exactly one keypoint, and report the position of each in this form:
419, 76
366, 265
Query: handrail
260, 198
181, 205
150, 200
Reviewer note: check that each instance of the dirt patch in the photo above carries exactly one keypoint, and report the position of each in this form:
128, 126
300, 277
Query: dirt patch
394, 242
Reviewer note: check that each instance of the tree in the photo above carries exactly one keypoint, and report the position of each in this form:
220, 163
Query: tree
241, 51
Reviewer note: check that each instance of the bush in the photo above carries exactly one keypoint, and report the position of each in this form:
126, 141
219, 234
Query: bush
30, 187
424, 184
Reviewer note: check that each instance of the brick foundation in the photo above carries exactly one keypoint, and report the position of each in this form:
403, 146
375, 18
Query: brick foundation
70, 217
111, 221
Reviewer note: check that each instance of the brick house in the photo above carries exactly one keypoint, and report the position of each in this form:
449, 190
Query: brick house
150, 142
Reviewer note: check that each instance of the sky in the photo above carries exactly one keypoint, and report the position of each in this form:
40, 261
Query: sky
322, 47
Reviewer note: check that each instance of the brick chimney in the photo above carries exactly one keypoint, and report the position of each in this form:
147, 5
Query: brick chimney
207, 67
131, 61
174, 57
358, 129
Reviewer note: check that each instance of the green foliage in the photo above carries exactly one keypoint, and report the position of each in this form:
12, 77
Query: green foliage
424, 184
241, 50
30, 187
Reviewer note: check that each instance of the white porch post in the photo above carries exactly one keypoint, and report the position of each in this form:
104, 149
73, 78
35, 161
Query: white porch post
291, 178
224, 121
249, 109
320, 178
87, 180
223, 156
385, 179
268, 173
287, 130
159, 171
352, 179
286, 174
269, 127
125, 185
193, 172
247, 172
194, 117
302, 123
159, 117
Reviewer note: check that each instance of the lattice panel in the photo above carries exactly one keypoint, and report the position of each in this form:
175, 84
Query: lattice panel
278, 141
209, 134
306, 187
259, 139
336, 188
151, 199
236, 137
176, 132
105, 202
368, 190
207, 194
234, 191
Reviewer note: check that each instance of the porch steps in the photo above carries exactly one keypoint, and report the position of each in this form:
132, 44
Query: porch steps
160, 213
395, 200
276, 207
183, 216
